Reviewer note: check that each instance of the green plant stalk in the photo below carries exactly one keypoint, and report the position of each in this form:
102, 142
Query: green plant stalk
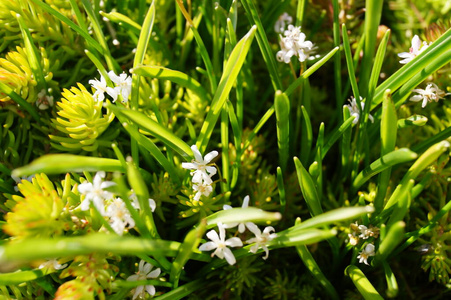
315, 270
19, 277
281, 189
187, 248
336, 134
300, 12
20, 101
262, 40
111, 63
228, 78
373, 12
307, 136
350, 64
225, 185
236, 129
242, 215
32, 54
392, 284
362, 283
78, 16
182, 291
337, 58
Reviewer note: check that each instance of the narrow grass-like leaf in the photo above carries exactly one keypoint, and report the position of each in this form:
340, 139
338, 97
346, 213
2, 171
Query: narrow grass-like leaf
303, 237
141, 49
373, 12
389, 122
310, 71
394, 237
189, 245
32, 54
228, 78
259, 125
154, 128
282, 106
333, 217
78, 16
241, 215
225, 149
337, 58
336, 135
99, 66
442, 135
175, 76
300, 10
392, 284
123, 21
350, 63
420, 164
362, 283
20, 101
89, 40
308, 189
281, 188
262, 40
19, 277
139, 187
45, 248
63, 163
307, 136
182, 291
313, 267
388, 160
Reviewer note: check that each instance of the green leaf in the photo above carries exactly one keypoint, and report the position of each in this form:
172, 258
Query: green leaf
388, 160
228, 78
182, 291
242, 215
175, 76
154, 128
63, 163
362, 283
20, 101
394, 237
308, 189
350, 63
282, 106
188, 247
18, 277
32, 54
392, 284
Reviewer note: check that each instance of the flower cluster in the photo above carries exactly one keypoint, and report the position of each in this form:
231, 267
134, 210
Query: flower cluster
354, 110
123, 87
220, 244
115, 209
202, 171
283, 19
431, 93
44, 101
414, 51
144, 272
363, 232
293, 43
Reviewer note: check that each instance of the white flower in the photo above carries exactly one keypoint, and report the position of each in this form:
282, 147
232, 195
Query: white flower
94, 192
261, 239
144, 272
431, 93
366, 253
123, 85
220, 244
241, 226
414, 51
202, 172
135, 202
283, 19
294, 44
354, 110
102, 88
202, 189
44, 101
119, 216
52, 264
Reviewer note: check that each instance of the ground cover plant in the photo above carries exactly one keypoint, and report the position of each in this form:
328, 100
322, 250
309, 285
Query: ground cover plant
236, 149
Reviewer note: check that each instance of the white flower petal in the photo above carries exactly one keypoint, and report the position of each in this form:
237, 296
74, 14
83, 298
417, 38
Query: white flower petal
230, 258
234, 242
